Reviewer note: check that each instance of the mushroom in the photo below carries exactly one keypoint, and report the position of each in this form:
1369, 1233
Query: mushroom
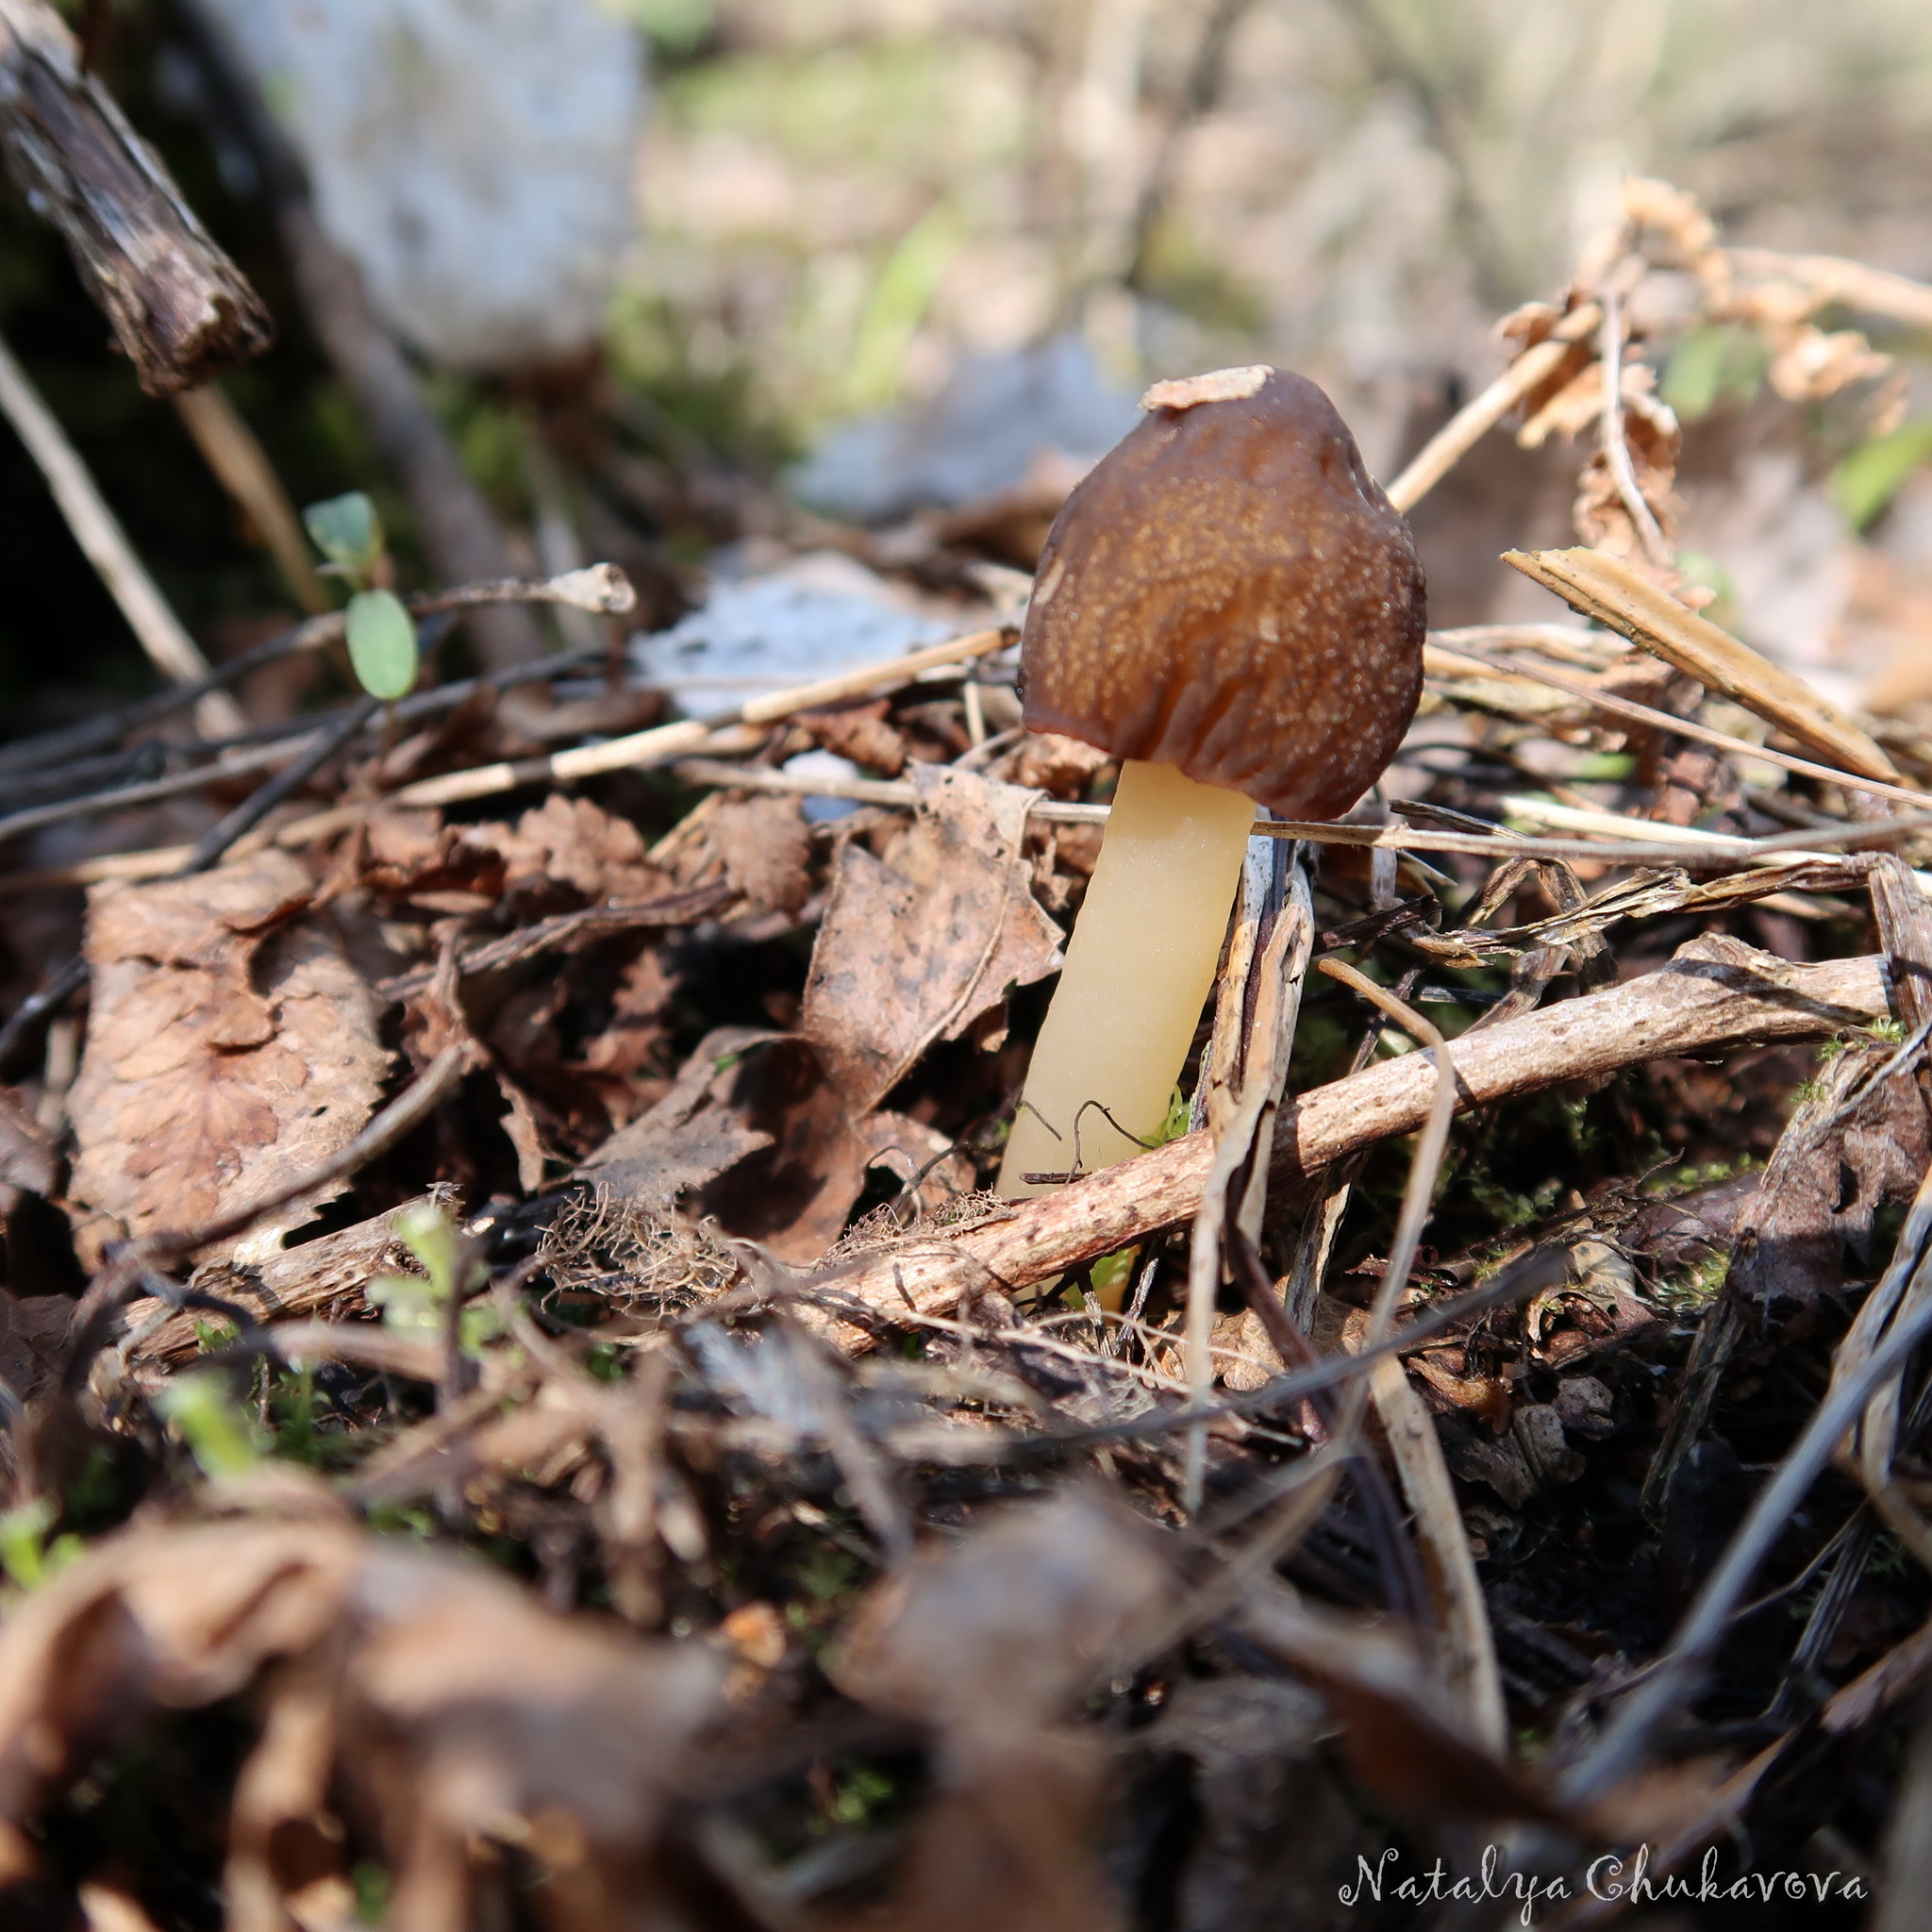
1229, 605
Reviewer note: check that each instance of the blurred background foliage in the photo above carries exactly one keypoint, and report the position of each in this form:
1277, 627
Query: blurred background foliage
842, 202
841, 197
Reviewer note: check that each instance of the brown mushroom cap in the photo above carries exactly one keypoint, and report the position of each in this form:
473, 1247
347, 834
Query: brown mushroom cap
1230, 592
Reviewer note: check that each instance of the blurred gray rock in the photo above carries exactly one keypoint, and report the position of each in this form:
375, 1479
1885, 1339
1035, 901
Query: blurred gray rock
985, 430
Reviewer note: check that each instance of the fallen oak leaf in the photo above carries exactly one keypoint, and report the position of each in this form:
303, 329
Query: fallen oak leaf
765, 847
571, 849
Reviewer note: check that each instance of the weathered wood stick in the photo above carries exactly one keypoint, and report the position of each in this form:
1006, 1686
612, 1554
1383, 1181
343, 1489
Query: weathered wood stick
182, 310
308, 1280
1716, 993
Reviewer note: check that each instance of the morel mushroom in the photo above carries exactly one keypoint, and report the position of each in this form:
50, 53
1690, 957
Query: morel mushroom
1230, 606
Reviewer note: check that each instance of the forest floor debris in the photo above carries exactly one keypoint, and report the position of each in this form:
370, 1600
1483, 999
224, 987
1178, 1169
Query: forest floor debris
522, 1409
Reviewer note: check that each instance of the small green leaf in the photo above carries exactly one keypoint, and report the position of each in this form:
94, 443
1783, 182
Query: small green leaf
1606, 767
411, 1306
1711, 365
409, 1303
382, 644
1870, 476
348, 532
217, 1430
428, 1235
23, 1532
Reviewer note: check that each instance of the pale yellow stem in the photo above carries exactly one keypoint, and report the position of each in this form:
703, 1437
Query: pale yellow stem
1139, 968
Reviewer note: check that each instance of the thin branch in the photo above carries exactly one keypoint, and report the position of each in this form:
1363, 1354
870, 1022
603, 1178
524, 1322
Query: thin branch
1667, 721
98, 531
1676, 1674
1478, 417
1427, 1161
219, 837
1714, 995
603, 588
1616, 447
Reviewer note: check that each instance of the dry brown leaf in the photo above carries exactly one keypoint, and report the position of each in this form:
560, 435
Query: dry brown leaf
414, 855
26, 1149
33, 1342
987, 1639
1845, 1154
1047, 761
917, 946
570, 851
443, 1710
625, 1062
1008, 1840
1252, 1750
860, 733
1811, 365
1406, 1741
752, 1133
230, 1048
758, 844
765, 846
1035, 1601
688, 1137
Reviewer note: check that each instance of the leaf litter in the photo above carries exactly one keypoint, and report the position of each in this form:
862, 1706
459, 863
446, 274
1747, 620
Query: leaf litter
633, 1472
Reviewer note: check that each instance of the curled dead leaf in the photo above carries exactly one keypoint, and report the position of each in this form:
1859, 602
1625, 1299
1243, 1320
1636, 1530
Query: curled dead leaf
419, 1706
569, 852
754, 1134
916, 946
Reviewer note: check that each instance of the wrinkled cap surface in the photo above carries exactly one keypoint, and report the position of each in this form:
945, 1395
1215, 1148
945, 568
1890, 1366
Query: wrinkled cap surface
1230, 592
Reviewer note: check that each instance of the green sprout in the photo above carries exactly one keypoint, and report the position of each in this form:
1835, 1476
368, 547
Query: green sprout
26, 1554
219, 1434
381, 637
1867, 480
348, 532
417, 1305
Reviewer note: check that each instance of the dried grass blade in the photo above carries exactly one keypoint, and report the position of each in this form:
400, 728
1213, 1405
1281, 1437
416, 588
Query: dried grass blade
1255, 1092
1611, 593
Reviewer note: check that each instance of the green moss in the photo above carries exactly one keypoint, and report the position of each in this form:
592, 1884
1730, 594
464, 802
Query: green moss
1698, 1288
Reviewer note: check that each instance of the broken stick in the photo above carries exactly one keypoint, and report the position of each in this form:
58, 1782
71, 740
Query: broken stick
1715, 994
182, 310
